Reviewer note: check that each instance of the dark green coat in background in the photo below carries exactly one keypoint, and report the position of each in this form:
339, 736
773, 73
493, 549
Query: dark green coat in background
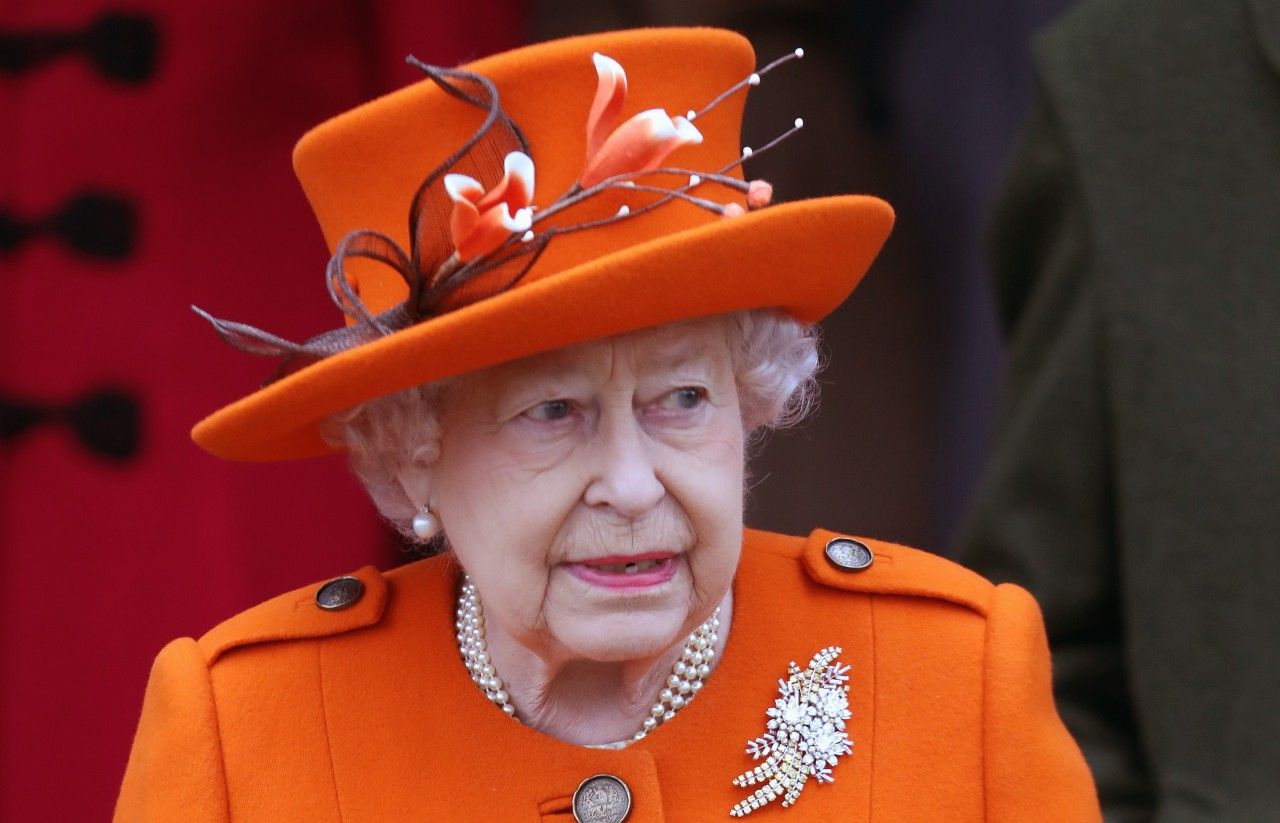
1134, 485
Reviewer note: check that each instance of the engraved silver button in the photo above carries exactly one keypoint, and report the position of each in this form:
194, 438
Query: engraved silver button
340, 593
849, 554
601, 798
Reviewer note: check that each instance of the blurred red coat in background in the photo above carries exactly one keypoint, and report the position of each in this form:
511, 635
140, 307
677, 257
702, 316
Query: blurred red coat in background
144, 167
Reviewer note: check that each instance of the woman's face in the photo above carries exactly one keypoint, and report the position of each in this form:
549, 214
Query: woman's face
594, 493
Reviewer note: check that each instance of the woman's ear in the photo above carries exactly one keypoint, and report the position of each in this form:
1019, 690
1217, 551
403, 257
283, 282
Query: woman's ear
415, 482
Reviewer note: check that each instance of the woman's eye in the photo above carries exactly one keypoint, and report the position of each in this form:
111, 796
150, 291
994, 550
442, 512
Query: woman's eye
550, 411
685, 398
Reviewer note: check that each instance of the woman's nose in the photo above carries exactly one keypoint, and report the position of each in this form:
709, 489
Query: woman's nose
624, 476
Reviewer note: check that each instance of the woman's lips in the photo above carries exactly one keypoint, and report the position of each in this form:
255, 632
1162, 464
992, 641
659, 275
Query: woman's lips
638, 571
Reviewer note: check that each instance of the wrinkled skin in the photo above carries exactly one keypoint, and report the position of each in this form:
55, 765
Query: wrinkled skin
611, 447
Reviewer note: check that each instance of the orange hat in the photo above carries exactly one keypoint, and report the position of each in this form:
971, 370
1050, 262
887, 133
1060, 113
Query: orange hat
558, 193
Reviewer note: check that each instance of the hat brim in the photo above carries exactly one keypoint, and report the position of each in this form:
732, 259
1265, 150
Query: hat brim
803, 258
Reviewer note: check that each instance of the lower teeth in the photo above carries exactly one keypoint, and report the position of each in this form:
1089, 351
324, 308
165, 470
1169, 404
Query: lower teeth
630, 568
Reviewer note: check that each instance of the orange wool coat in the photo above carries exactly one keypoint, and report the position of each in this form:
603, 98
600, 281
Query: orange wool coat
287, 712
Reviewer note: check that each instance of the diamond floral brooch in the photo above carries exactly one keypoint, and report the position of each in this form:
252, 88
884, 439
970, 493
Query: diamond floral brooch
805, 735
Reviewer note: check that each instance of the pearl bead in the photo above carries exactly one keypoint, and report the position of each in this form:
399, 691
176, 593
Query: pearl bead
665, 695
657, 710
650, 723
425, 524
680, 668
677, 702
674, 681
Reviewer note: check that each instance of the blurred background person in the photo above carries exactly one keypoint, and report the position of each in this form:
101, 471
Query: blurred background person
1135, 483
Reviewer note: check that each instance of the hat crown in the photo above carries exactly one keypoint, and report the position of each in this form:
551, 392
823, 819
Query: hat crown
360, 170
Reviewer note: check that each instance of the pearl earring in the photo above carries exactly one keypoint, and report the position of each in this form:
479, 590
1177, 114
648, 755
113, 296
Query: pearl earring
425, 524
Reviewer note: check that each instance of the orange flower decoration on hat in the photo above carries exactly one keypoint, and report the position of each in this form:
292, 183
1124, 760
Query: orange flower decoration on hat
638, 145
481, 220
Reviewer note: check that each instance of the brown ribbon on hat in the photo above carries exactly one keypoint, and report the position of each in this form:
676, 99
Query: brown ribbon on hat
428, 268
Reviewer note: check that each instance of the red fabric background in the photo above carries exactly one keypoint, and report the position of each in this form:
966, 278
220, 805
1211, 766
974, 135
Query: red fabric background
102, 562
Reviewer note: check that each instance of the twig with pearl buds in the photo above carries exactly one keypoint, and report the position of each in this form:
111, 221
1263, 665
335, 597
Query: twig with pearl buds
695, 178
576, 195
510, 248
752, 79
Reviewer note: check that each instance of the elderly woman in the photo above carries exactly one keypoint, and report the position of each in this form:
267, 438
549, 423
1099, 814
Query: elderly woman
556, 392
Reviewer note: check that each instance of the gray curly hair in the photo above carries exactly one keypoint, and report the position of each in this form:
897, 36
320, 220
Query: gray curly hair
775, 362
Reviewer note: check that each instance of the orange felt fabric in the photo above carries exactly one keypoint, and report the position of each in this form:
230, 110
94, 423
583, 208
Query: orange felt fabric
177, 772
953, 717
361, 169
1019, 707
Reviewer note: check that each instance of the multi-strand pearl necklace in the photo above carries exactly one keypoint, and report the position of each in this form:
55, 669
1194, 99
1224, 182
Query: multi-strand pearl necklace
684, 682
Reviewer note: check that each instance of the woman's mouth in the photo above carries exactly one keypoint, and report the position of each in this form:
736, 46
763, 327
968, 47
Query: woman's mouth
627, 572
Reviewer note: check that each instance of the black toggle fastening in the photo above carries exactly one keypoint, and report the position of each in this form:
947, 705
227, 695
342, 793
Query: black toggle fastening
106, 421
121, 46
96, 224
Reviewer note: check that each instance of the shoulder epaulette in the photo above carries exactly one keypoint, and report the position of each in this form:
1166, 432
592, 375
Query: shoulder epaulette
876, 567
319, 610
